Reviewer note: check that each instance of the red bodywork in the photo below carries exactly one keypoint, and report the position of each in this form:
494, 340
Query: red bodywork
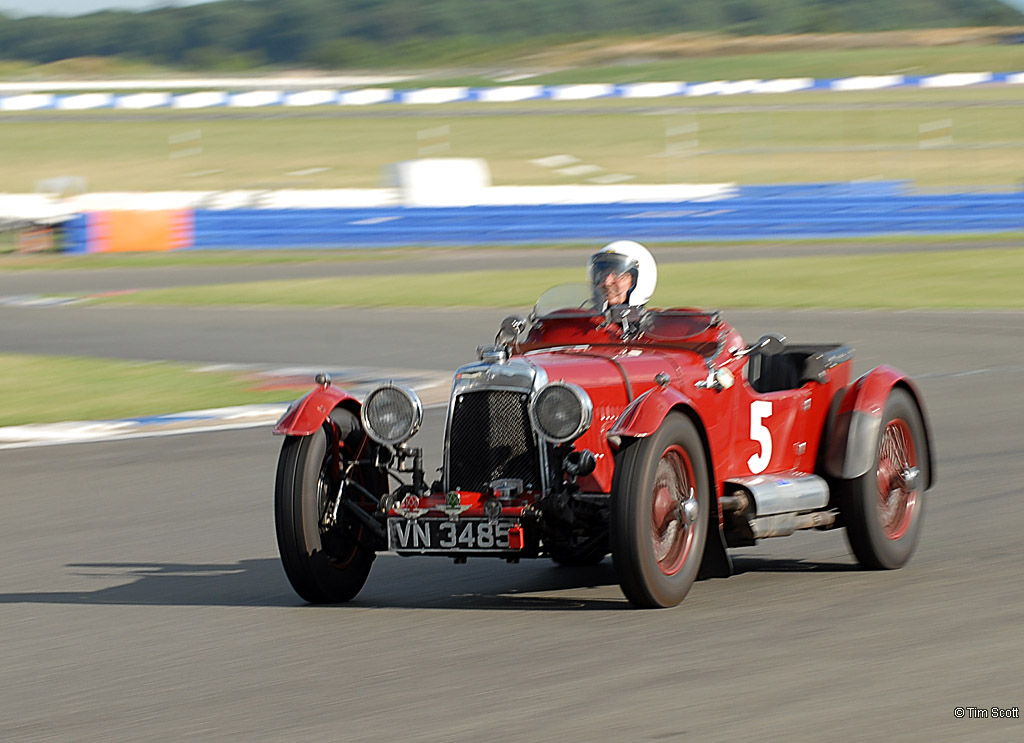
308, 413
747, 432
822, 424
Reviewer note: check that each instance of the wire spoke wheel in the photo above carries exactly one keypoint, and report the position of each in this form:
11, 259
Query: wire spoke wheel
897, 456
883, 509
660, 511
671, 533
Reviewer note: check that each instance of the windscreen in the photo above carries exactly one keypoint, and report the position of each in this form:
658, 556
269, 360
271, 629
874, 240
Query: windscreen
568, 300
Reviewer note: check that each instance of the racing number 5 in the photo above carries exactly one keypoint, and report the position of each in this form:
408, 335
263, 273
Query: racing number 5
759, 410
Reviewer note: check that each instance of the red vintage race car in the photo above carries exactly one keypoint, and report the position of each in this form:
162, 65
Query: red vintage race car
659, 436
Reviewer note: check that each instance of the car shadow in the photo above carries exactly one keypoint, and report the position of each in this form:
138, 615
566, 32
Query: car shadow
762, 564
394, 582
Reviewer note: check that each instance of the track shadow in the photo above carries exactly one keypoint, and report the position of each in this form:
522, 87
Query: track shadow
245, 583
762, 564
394, 582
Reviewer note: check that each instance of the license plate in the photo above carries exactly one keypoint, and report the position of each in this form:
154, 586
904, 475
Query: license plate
442, 535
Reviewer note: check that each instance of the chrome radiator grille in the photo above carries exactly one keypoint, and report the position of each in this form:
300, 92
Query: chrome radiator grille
490, 438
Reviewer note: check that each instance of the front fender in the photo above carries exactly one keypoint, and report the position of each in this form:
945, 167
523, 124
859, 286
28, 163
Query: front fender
853, 440
308, 413
644, 415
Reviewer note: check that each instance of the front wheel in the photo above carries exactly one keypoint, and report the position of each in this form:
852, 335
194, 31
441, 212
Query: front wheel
883, 509
660, 510
324, 565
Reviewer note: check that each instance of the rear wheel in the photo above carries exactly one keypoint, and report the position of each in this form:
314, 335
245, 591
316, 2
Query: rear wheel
883, 509
660, 510
324, 565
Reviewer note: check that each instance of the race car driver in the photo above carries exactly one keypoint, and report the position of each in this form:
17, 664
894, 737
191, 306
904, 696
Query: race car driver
623, 273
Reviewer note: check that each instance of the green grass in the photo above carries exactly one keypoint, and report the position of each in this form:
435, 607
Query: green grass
43, 389
833, 63
984, 278
46, 389
745, 139
188, 258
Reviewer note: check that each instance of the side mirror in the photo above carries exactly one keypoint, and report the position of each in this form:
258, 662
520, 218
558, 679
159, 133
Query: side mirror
508, 333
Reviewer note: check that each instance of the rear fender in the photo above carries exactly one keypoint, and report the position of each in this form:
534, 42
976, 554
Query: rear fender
308, 413
853, 440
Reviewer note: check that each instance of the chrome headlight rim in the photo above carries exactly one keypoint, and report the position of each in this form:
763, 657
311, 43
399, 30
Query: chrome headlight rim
586, 412
410, 430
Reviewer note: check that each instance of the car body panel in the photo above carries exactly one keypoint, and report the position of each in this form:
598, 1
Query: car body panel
854, 438
305, 416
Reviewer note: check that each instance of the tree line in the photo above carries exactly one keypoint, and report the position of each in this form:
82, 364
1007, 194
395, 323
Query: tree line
240, 34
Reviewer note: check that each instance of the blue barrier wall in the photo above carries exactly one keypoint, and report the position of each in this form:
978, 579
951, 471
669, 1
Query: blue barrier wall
756, 212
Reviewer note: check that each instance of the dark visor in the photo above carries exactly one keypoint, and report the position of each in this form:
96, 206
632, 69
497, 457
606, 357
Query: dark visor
603, 265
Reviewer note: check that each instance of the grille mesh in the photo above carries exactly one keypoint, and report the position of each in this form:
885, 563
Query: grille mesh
491, 439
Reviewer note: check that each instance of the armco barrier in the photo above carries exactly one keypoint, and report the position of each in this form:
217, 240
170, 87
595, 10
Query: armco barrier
806, 211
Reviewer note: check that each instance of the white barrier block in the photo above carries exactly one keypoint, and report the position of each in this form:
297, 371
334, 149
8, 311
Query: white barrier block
367, 96
28, 102
84, 101
330, 198
312, 98
581, 92
205, 99
143, 100
868, 82
785, 85
255, 98
653, 90
440, 181
137, 201
605, 194
34, 207
511, 93
435, 95
956, 79
1016, 79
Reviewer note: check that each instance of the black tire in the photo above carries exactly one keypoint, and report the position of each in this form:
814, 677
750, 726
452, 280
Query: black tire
656, 551
324, 567
883, 516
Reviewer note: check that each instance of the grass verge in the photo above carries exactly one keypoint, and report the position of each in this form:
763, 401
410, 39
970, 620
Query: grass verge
47, 389
969, 279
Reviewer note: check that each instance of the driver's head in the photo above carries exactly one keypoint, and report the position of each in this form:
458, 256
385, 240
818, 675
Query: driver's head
623, 272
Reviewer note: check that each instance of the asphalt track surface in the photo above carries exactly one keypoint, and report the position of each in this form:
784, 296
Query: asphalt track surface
142, 596
29, 283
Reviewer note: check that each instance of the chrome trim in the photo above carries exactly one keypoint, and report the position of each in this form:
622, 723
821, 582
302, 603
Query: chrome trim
775, 494
586, 404
515, 375
414, 424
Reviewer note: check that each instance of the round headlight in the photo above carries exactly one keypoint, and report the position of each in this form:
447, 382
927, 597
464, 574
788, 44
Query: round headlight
561, 412
391, 414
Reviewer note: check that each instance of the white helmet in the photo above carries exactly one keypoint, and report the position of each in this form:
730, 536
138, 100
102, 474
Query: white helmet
624, 256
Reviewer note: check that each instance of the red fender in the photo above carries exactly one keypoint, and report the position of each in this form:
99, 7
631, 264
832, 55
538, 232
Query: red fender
641, 418
644, 415
853, 439
307, 414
